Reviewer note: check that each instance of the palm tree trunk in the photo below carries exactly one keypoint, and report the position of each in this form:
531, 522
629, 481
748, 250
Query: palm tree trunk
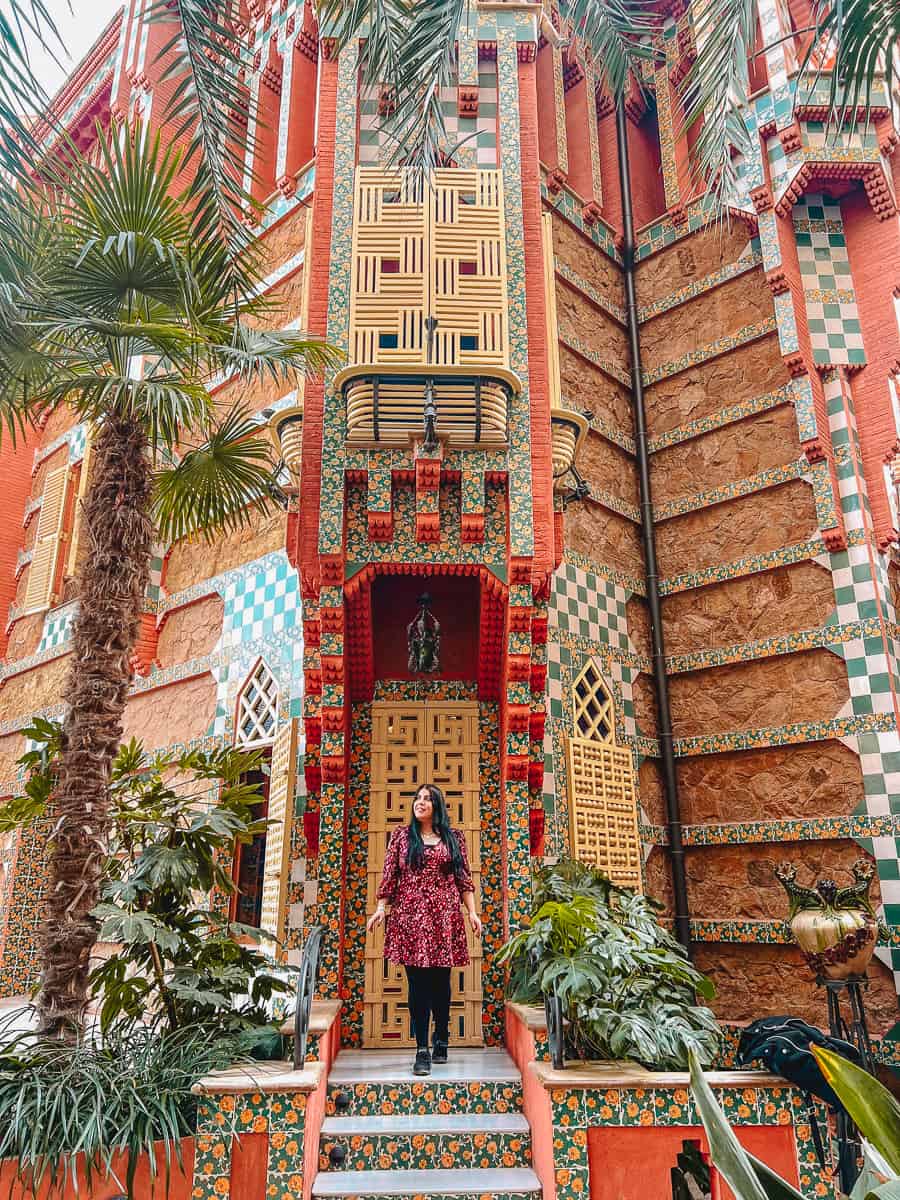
111, 587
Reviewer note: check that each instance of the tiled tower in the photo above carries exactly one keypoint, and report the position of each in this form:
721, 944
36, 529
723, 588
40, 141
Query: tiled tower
770, 346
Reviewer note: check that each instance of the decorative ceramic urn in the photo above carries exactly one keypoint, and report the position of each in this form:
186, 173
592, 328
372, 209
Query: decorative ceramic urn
836, 928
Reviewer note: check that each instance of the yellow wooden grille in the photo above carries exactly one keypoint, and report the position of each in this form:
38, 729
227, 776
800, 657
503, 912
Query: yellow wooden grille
603, 810
425, 252
49, 535
603, 815
413, 744
278, 834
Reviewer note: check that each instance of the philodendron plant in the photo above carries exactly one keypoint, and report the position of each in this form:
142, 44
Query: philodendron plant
871, 1106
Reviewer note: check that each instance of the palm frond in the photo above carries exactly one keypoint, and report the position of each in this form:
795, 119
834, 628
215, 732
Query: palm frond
254, 353
616, 33
210, 111
863, 36
218, 485
715, 90
23, 22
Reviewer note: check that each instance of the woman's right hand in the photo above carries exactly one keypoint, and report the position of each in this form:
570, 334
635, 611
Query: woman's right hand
376, 919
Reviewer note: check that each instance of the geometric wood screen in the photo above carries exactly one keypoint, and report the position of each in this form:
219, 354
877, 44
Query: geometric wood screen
603, 813
280, 815
48, 538
428, 249
412, 744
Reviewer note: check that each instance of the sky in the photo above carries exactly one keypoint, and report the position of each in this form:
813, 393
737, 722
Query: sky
80, 23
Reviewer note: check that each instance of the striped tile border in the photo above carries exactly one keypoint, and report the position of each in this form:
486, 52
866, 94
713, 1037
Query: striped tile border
723, 345
789, 643
800, 829
748, 261
725, 416
732, 491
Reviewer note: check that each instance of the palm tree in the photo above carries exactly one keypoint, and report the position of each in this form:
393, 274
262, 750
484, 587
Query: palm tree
116, 301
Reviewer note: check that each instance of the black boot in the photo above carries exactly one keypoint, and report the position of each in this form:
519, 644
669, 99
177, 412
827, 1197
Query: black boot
422, 1065
439, 1051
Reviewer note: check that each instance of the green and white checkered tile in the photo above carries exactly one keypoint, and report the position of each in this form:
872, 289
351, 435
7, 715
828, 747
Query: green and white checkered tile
262, 619
77, 439
831, 308
57, 626
589, 607
471, 141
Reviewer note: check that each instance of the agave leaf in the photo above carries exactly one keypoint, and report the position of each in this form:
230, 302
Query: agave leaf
728, 1155
871, 1106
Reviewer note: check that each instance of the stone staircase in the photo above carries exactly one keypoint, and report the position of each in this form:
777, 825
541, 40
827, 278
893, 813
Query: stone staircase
458, 1133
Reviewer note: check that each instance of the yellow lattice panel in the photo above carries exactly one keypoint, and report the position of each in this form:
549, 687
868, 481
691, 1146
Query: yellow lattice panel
414, 744
433, 250
593, 713
603, 810
278, 834
78, 517
48, 537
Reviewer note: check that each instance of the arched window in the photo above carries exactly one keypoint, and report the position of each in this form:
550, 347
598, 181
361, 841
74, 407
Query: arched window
257, 711
603, 818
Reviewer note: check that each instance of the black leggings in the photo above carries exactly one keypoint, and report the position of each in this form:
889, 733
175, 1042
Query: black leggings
429, 996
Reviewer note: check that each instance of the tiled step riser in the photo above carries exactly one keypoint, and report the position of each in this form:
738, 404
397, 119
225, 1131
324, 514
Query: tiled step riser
419, 1099
387, 1152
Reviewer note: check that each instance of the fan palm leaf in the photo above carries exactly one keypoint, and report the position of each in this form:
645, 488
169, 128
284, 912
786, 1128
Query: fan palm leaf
115, 309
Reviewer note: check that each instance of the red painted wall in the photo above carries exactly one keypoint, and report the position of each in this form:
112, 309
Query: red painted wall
144, 1188
634, 1164
15, 471
455, 604
648, 193
535, 1103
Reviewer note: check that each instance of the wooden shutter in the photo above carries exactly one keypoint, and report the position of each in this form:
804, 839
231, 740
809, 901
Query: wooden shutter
45, 556
603, 815
278, 834
78, 515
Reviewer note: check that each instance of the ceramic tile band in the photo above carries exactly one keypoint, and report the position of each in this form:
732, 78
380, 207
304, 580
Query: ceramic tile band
773, 477
725, 416
828, 636
723, 345
749, 260
800, 829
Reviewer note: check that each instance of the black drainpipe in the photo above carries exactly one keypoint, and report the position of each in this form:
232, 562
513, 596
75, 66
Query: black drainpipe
648, 536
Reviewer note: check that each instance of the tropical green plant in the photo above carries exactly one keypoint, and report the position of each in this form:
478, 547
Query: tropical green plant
626, 986
175, 821
871, 1106
116, 304
94, 1100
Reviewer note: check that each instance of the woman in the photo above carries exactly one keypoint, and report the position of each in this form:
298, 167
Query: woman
426, 876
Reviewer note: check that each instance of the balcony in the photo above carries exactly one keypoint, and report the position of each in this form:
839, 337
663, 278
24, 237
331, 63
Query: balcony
428, 310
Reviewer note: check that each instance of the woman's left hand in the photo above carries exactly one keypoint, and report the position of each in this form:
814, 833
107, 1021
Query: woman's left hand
475, 922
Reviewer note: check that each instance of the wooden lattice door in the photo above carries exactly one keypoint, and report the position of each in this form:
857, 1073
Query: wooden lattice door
414, 744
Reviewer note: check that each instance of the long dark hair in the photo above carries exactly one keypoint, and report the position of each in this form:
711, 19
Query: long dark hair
440, 821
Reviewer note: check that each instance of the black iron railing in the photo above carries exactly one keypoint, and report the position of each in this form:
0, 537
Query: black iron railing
306, 987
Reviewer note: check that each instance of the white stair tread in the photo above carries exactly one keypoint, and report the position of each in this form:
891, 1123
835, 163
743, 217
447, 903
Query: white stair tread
430, 1123
425, 1183
395, 1066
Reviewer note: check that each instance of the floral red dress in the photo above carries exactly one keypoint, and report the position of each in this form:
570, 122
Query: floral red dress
425, 925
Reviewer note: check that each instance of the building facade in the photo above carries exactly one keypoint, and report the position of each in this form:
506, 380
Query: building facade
770, 357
